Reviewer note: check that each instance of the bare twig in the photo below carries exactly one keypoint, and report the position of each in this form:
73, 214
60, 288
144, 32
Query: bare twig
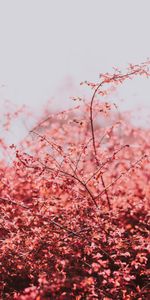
113, 78
93, 139
14, 202
76, 178
109, 159
121, 175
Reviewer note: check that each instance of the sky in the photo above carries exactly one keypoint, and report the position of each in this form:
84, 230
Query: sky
47, 47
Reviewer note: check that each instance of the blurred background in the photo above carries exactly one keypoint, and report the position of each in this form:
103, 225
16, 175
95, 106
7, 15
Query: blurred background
47, 47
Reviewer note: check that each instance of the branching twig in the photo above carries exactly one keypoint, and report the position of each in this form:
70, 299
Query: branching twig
93, 139
108, 79
76, 178
109, 159
14, 202
121, 175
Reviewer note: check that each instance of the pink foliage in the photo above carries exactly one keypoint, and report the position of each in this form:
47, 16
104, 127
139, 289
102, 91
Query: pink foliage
74, 204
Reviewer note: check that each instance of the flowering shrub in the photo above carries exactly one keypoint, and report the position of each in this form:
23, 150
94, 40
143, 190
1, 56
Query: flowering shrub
75, 204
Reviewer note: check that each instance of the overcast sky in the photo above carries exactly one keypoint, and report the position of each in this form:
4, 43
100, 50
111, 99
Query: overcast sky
48, 46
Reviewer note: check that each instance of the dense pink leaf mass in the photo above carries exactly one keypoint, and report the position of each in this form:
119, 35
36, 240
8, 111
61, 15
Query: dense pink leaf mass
74, 204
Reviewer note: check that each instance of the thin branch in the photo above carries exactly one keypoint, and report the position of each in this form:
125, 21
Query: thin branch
121, 175
91, 116
58, 148
14, 202
109, 159
93, 139
79, 157
75, 178
114, 78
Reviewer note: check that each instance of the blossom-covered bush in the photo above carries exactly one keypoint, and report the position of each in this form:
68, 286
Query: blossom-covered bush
74, 204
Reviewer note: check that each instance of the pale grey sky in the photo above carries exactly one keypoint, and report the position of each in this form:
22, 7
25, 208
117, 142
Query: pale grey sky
48, 46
